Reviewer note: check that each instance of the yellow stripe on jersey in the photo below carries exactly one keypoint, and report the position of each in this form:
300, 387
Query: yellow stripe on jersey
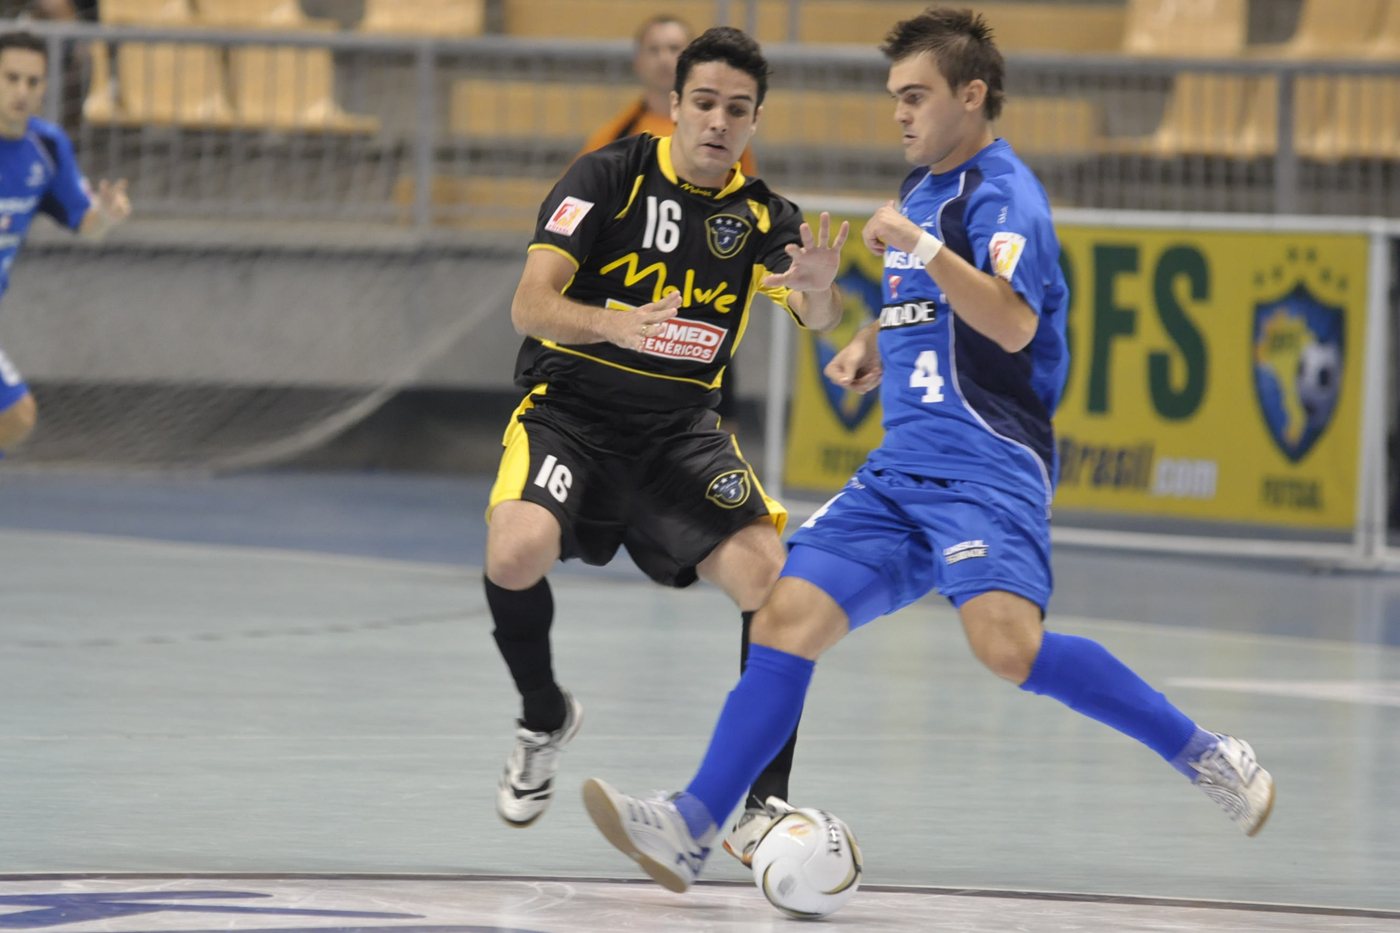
636, 186
663, 161
776, 513
640, 372
514, 471
760, 213
554, 249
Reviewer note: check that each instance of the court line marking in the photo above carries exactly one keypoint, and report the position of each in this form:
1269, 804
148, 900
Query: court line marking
993, 893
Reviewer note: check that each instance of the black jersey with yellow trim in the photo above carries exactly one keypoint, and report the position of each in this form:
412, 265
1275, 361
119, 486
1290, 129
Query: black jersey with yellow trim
636, 232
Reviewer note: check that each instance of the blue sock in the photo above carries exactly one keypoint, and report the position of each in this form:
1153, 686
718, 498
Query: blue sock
1196, 746
1082, 675
757, 719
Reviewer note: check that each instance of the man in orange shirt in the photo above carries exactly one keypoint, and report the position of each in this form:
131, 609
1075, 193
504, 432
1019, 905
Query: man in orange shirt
659, 43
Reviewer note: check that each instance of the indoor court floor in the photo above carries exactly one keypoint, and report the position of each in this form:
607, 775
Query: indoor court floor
270, 703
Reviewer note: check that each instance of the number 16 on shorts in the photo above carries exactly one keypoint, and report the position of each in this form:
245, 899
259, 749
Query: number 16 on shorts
555, 477
925, 376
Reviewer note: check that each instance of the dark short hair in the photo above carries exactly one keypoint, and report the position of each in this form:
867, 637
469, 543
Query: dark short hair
662, 19
731, 46
962, 45
24, 40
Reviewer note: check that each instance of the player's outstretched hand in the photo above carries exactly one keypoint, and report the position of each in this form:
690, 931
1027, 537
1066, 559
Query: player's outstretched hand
814, 263
112, 202
857, 367
888, 227
630, 329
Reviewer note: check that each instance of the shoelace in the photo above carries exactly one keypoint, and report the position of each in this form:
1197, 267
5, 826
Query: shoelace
535, 758
1220, 767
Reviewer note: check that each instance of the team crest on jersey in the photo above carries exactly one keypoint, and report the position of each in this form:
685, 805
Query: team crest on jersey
729, 490
1006, 249
727, 234
568, 215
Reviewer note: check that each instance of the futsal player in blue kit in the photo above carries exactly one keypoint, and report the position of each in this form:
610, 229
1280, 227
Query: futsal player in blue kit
38, 174
971, 355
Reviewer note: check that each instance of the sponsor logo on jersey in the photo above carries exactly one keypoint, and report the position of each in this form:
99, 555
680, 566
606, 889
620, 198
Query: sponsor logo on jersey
693, 341
729, 490
894, 259
568, 215
908, 314
894, 286
727, 234
696, 189
1006, 249
18, 205
717, 297
37, 175
965, 551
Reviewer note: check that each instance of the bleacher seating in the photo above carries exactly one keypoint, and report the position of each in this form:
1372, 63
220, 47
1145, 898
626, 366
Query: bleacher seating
260, 14
1330, 29
1199, 29
489, 202
1019, 26
452, 18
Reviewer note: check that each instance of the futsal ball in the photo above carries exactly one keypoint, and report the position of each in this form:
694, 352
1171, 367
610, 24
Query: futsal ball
1319, 375
807, 864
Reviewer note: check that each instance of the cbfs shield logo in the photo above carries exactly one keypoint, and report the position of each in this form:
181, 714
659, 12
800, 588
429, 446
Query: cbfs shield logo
727, 234
1299, 357
863, 298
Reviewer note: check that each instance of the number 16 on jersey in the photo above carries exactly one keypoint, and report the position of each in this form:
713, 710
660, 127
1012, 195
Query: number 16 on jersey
925, 376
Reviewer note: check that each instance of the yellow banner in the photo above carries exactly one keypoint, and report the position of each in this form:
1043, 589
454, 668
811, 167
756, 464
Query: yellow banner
1213, 375
831, 429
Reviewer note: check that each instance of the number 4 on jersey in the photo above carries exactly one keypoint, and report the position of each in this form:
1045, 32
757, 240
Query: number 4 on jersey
925, 376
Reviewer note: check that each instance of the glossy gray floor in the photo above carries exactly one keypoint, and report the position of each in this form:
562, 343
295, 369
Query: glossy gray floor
184, 708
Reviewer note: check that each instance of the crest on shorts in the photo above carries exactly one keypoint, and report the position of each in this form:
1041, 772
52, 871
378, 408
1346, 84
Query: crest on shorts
729, 490
727, 234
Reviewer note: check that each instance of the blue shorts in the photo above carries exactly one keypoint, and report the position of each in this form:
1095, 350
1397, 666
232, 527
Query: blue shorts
887, 539
12, 387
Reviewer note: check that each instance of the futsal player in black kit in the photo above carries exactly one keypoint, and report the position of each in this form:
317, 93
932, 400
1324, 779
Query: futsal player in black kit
635, 294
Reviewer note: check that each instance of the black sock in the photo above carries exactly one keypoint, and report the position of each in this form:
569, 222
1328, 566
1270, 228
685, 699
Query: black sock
522, 619
773, 781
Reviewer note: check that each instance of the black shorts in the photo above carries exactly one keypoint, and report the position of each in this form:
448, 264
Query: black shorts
667, 486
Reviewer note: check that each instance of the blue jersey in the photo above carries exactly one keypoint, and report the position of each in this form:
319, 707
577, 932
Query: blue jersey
37, 173
956, 405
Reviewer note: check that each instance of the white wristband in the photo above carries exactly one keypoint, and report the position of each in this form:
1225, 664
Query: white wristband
927, 247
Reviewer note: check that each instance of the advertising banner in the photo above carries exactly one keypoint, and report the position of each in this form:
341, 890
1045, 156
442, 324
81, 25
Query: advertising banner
1214, 375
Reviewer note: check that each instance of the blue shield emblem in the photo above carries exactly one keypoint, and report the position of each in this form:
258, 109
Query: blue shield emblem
851, 409
1299, 357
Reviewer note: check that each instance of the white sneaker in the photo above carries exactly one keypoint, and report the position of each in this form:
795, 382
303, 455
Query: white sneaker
650, 832
752, 825
528, 780
1230, 775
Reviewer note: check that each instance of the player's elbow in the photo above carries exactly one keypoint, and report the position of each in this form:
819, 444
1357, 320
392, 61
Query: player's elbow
520, 307
1018, 330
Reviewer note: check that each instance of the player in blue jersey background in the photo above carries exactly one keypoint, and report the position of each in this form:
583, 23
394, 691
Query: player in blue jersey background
38, 175
971, 357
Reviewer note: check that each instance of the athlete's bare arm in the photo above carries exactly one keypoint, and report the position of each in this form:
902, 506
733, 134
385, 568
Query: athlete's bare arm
858, 366
540, 309
110, 207
987, 303
815, 299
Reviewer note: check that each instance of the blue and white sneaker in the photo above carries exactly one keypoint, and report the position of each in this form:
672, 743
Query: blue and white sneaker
1230, 775
651, 832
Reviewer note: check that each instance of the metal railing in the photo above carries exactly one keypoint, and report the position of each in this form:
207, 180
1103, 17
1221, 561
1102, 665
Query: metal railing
344, 126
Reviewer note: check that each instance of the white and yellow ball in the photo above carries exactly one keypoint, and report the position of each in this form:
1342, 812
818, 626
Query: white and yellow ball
808, 864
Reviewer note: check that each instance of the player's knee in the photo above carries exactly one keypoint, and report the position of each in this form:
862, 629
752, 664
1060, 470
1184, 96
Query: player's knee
17, 422
521, 545
1004, 632
1007, 658
799, 619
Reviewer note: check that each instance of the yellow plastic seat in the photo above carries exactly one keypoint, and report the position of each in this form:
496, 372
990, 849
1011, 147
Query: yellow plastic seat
840, 119
1359, 119
1209, 114
1330, 29
263, 14
1186, 28
290, 88
145, 12
169, 83
484, 109
1051, 125
425, 17
483, 203
1387, 41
